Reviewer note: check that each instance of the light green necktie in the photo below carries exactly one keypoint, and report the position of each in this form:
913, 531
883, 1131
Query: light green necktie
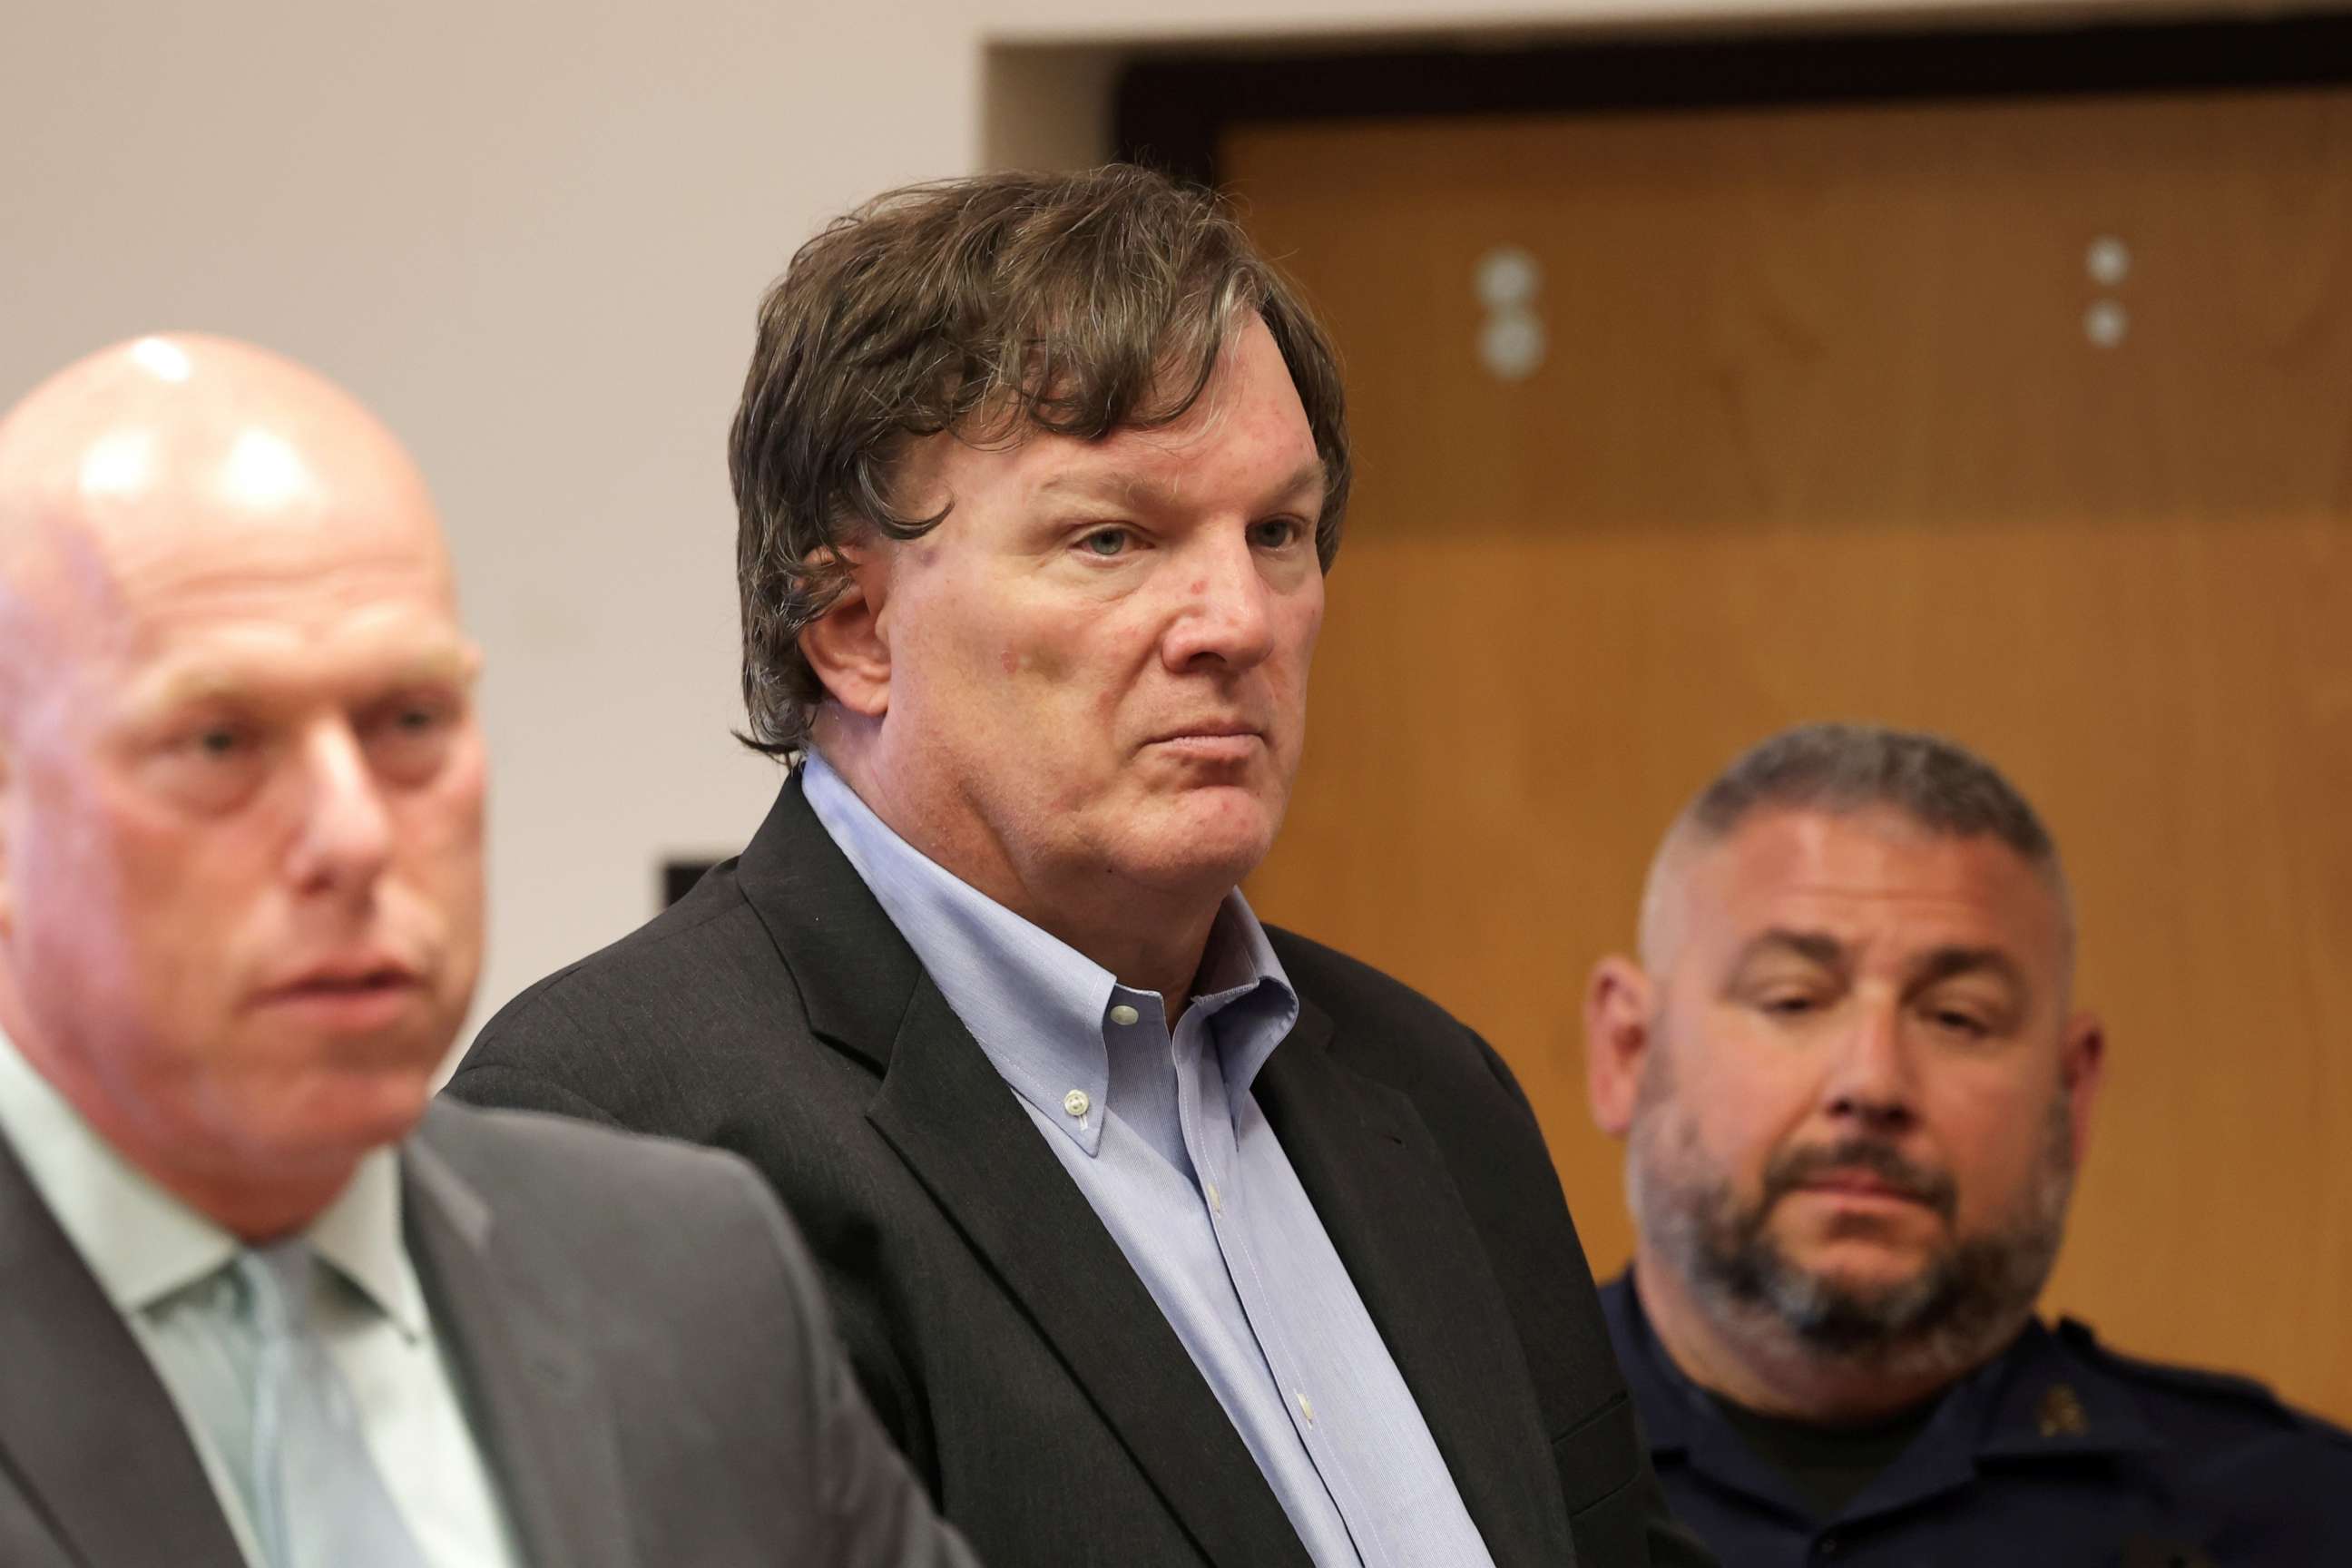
317, 1496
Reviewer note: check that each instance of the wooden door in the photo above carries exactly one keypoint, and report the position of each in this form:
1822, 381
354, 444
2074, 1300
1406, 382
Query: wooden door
2030, 423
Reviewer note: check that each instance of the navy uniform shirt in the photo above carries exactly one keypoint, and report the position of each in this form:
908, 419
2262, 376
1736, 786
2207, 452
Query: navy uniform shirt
2056, 1454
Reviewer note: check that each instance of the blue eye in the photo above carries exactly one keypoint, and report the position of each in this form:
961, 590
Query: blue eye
1105, 542
1274, 532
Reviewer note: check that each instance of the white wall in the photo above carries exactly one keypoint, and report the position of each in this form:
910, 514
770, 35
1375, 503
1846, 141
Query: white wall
532, 234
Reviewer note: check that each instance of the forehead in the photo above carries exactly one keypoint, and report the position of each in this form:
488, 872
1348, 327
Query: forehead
176, 595
1871, 879
1243, 442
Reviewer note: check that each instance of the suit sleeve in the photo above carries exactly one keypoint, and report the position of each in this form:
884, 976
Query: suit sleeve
497, 1070
1671, 1543
495, 1085
1667, 1542
877, 1515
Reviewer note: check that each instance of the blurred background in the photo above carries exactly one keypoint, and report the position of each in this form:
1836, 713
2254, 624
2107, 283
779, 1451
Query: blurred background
1715, 364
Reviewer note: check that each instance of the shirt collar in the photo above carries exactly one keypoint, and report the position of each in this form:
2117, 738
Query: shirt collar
360, 1233
1043, 1012
1244, 992
143, 1245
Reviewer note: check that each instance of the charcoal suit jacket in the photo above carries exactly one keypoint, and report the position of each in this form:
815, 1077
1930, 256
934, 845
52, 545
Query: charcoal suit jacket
1000, 1333
638, 1337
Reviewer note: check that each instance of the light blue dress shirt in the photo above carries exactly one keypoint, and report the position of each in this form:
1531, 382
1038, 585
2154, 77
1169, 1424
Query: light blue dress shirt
1161, 1135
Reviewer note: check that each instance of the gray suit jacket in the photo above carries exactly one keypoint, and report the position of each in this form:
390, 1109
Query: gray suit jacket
643, 1351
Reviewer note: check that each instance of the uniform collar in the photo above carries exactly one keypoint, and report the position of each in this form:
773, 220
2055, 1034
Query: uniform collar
1043, 1013
2054, 1399
1670, 1405
142, 1245
2039, 1400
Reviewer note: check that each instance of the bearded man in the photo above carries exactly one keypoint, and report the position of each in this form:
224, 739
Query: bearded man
1855, 1093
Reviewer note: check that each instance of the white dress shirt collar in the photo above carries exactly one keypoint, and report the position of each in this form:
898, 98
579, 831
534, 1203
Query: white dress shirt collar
142, 1244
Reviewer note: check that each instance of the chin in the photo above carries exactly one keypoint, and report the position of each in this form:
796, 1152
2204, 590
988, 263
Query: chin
1235, 824
1209, 864
1865, 1270
343, 1114
1193, 878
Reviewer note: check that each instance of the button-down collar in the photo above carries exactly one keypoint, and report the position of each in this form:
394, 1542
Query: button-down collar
1043, 1012
143, 1245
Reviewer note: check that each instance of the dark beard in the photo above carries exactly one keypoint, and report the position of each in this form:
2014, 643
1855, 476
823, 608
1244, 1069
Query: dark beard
1960, 1308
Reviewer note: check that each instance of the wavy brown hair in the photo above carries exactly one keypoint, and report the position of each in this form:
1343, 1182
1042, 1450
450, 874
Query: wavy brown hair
1077, 303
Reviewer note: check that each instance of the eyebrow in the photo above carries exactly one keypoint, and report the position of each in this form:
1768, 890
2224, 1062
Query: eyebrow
1814, 946
1947, 962
1128, 490
1932, 969
441, 661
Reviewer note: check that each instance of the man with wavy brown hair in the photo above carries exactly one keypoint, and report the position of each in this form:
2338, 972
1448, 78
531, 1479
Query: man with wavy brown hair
1159, 1236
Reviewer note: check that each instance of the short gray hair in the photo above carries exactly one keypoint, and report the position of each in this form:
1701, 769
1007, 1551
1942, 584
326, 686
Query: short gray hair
1842, 769
1939, 784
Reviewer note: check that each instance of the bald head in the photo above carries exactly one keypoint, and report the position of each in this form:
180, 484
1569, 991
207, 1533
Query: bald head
185, 445
240, 779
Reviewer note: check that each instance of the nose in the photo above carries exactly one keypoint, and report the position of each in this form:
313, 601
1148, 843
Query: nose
1225, 612
1870, 1076
345, 835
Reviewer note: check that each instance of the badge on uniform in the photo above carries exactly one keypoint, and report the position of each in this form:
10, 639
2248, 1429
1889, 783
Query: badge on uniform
2060, 1413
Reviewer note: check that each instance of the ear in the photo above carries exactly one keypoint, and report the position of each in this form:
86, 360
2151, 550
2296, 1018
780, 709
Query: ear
1616, 1041
7, 814
2082, 1068
848, 646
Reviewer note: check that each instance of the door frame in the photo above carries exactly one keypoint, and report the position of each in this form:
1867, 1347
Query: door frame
1171, 111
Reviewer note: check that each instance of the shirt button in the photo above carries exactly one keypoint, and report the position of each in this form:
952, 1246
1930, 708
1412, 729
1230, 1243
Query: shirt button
1076, 1103
1827, 1546
1124, 1015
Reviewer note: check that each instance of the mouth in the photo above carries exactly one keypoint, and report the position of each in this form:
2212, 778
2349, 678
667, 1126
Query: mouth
348, 995
1211, 741
1862, 1188
1861, 1175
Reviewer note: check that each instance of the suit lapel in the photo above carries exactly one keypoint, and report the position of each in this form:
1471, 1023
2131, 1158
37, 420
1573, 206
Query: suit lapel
852, 968
84, 1420
537, 1407
1388, 1206
950, 1116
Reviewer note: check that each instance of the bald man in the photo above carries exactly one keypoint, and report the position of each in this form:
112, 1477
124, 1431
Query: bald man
257, 1304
